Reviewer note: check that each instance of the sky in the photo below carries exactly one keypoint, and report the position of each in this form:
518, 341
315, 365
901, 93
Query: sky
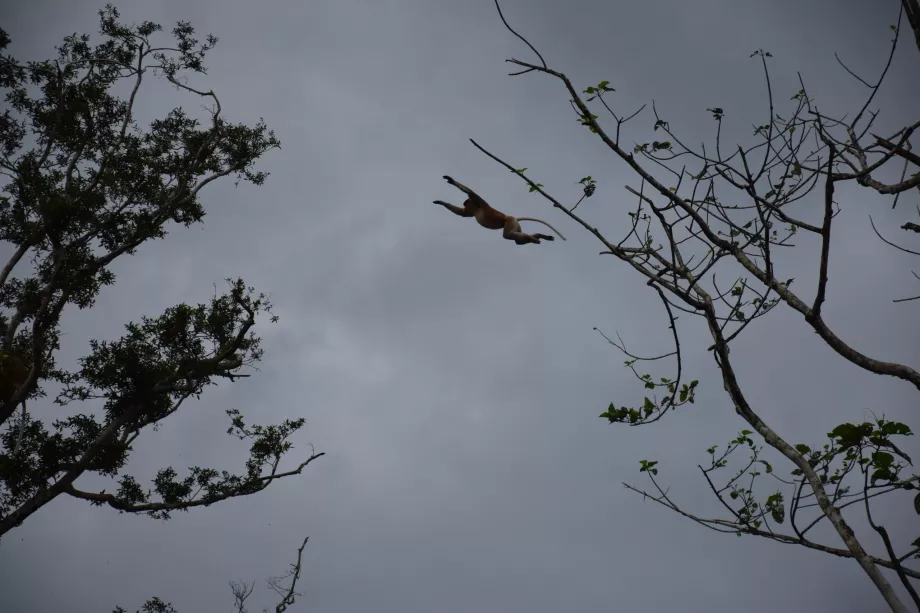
453, 379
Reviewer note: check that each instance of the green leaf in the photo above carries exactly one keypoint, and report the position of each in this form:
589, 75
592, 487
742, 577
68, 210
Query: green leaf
893, 428
917, 504
882, 459
850, 434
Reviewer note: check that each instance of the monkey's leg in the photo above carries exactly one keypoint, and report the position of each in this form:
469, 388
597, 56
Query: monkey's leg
512, 232
462, 212
546, 237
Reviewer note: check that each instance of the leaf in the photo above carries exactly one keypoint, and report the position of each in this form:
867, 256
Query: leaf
882, 474
882, 459
917, 504
850, 434
895, 428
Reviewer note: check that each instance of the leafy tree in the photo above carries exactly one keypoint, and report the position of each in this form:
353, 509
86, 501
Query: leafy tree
85, 185
683, 229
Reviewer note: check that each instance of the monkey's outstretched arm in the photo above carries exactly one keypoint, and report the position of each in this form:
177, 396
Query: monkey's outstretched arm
542, 222
463, 188
461, 211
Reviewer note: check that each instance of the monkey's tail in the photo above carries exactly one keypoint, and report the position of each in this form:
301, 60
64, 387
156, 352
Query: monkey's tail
542, 222
22, 428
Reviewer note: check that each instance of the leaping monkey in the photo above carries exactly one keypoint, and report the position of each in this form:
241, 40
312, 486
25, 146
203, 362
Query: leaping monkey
493, 219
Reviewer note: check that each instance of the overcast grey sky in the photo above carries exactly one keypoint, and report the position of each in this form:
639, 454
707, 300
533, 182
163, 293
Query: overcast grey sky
466, 467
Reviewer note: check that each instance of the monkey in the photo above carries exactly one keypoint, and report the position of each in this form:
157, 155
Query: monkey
493, 219
13, 373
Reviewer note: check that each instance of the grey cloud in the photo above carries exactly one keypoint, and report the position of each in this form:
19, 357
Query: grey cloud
454, 380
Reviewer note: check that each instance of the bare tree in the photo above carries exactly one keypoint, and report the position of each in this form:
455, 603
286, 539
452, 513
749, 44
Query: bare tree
683, 233
242, 591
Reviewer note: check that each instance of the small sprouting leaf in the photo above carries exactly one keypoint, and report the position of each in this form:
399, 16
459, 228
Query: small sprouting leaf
648, 466
803, 449
779, 513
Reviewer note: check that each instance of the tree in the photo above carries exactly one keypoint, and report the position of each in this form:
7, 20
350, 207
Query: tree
682, 231
85, 185
284, 586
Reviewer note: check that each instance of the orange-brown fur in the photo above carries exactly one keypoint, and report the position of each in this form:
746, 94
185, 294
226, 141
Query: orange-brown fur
493, 219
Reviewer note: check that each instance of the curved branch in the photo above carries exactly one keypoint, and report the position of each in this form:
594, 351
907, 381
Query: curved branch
243, 490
